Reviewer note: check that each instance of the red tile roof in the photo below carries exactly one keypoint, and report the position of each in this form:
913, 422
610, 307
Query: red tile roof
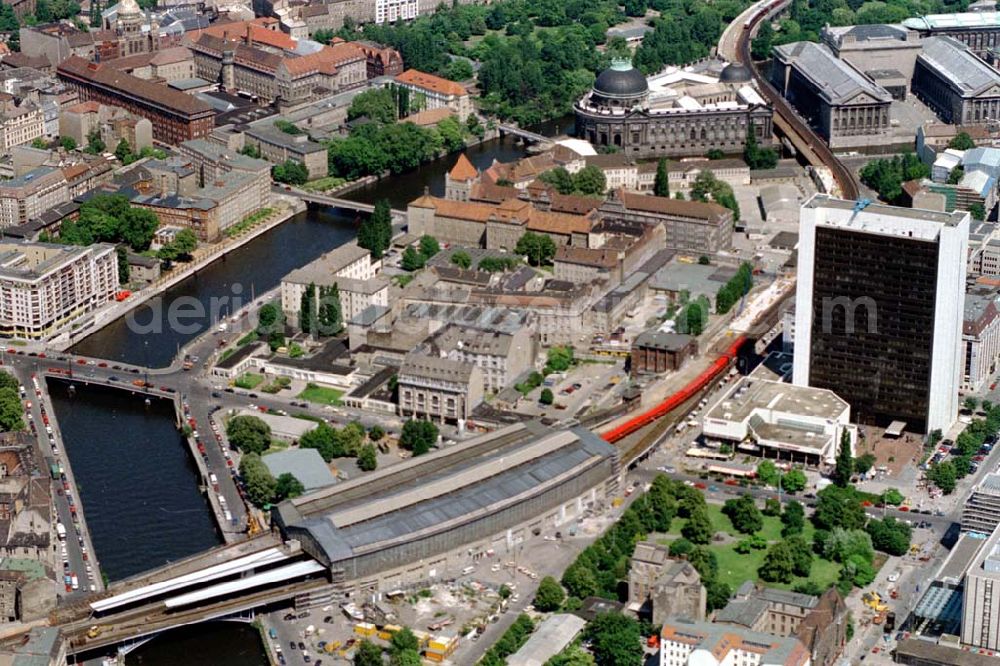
430, 82
463, 169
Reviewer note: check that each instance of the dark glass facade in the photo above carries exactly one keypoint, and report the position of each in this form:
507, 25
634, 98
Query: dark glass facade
873, 323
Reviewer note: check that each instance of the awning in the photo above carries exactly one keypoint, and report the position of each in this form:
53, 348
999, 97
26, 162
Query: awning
895, 429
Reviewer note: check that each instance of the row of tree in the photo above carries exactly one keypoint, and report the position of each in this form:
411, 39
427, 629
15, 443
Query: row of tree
320, 312
735, 288
11, 410
260, 485
347, 442
415, 258
110, 218
707, 187
588, 181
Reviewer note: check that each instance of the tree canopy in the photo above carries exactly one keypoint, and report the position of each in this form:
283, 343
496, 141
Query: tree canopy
550, 595
249, 434
110, 218
538, 248
418, 436
744, 514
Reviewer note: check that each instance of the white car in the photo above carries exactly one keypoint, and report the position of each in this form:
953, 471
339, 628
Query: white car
894, 576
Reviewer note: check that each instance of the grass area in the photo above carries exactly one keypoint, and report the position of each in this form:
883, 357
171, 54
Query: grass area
276, 445
226, 354
247, 339
321, 394
734, 568
248, 222
323, 184
249, 380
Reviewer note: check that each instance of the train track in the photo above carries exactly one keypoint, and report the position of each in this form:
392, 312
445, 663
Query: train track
791, 121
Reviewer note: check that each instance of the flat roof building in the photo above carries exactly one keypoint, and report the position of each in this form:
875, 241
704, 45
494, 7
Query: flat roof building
549, 639
879, 307
306, 465
981, 597
981, 512
685, 643
779, 420
414, 521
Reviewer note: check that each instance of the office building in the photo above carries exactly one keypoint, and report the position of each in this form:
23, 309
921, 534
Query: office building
879, 307
981, 597
45, 287
981, 512
960, 87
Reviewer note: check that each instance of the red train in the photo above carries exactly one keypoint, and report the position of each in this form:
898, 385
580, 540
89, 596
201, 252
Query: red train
673, 401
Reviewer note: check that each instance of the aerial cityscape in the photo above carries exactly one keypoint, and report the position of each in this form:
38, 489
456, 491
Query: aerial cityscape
526, 332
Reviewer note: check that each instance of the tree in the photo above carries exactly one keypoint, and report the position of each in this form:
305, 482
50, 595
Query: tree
375, 233
955, 175
429, 246
123, 152
287, 486
793, 481
259, 484
249, 434
977, 211
324, 439
760, 47
406, 658
418, 436
757, 157
124, 271
680, 547
772, 507
590, 180
661, 184
844, 466
962, 141
615, 640
412, 260
559, 358
11, 410
841, 545
307, 310
779, 564
801, 555
943, 475
864, 462
546, 397
459, 69
838, 507
893, 497
744, 514
330, 320
792, 519
68, 143
767, 473
94, 143
403, 640
698, 528
376, 433
461, 259
185, 242
367, 458
970, 404
550, 595
559, 178
717, 594
378, 105
367, 654
890, 535
290, 172
268, 319
538, 248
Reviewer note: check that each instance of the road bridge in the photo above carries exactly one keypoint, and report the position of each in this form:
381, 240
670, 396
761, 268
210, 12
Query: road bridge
523, 133
335, 202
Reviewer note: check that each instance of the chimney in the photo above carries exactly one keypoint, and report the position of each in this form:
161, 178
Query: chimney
249, 35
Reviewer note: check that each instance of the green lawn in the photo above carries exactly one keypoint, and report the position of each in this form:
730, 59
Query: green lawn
321, 394
249, 380
734, 568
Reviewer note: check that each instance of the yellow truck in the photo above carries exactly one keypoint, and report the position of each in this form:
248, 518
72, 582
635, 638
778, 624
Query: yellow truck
873, 601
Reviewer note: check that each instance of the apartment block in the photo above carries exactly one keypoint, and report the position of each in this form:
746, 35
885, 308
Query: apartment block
26, 197
438, 389
428, 91
44, 287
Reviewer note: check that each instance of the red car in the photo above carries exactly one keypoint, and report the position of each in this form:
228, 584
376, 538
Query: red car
904, 508
700, 486
979, 458
81, 361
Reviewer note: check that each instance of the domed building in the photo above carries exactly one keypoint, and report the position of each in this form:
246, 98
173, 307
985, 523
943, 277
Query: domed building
680, 112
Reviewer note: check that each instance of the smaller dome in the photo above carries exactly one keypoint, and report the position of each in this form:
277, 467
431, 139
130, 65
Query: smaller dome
129, 8
734, 72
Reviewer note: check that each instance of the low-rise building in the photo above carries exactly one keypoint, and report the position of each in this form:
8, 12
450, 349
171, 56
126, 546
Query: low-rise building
692, 226
659, 352
348, 266
687, 643
582, 265
26, 197
551, 637
660, 587
799, 424
438, 389
278, 146
428, 91
45, 287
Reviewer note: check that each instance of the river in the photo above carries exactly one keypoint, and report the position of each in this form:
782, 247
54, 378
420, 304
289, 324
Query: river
140, 490
259, 265
135, 477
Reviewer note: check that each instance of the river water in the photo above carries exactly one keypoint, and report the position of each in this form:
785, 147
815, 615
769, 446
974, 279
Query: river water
135, 476
138, 483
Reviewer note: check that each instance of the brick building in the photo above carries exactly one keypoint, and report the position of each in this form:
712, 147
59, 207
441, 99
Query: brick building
658, 352
175, 116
